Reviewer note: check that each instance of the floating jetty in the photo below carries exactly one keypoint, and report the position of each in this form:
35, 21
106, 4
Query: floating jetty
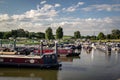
104, 48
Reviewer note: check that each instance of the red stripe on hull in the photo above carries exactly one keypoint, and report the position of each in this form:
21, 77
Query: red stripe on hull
22, 60
45, 61
60, 51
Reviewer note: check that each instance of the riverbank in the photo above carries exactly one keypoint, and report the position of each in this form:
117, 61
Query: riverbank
110, 40
37, 41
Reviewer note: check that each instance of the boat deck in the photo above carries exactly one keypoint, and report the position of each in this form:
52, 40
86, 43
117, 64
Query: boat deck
20, 56
9, 53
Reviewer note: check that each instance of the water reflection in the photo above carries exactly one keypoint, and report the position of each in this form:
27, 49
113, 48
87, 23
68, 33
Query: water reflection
68, 59
27, 74
96, 65
118, 52
108, 56
92, 54
116, 57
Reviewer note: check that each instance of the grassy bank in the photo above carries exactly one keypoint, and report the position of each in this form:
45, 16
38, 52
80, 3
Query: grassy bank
110, 40
66, 39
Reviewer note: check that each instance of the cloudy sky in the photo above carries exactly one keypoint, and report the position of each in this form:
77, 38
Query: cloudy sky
87, 16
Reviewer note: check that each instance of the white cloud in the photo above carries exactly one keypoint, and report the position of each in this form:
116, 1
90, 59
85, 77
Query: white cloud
57, 5
32, 20
86, 26
42, 2
4, 17
101, 7
18, 17
47, 11
45, 16
46, 7
73, 8
80, 3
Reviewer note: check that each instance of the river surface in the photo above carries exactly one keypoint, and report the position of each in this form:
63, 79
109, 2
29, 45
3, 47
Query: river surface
95, 65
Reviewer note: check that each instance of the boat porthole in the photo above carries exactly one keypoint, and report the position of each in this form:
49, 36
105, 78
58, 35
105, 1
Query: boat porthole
1, 60
32, 61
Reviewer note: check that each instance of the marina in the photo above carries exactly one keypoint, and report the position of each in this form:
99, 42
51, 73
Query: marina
95, 65
59, 40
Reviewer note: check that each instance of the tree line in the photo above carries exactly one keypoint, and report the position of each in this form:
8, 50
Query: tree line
115, 34
21, 33
30, 35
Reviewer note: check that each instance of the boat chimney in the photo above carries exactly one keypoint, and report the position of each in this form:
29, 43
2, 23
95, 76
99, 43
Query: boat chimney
56, 48
0, 42
14, 44
41, 47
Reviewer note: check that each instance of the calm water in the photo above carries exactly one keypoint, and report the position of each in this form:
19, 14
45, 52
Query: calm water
95, 65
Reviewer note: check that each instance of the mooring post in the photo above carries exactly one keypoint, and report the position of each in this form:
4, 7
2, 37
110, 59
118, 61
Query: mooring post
0, 42
41, 47
56, 48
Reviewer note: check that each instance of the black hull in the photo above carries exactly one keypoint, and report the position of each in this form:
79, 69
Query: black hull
73, 55
69, 55
25, 65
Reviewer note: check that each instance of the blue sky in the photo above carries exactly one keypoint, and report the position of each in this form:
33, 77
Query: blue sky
86, 16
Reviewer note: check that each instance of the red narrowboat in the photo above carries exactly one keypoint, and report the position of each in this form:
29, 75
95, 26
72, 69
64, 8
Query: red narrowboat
43, 61
61, 52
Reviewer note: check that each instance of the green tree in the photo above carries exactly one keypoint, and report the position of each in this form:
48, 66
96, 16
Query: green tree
93, 37
88, 37
26, 34
116, 33
101, 35
14, 33
21, 33
59, 33
40, 35
32, 35
77, 34
7, 35
1, 35
109, 36
49, 34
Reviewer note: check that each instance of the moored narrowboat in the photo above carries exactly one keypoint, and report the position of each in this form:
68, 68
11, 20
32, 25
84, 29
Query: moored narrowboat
61, 52
41, 61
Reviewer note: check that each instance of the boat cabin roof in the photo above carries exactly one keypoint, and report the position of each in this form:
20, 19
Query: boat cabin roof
24, 56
